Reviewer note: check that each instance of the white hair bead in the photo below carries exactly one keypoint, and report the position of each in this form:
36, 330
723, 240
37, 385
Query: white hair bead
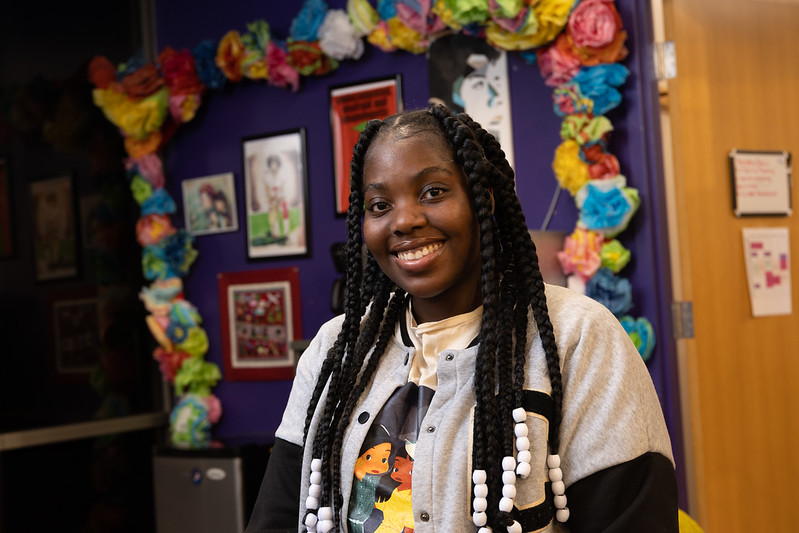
315, 490
326, 513
524, 456
481, 490
515, 527
479, 477
553, 461
316, 478
519, 414
508, 463
509, 491
558, 487
509, 477
506, 505
560, 501
523, 469
310, 529
555, 474
316, 465
562, 514
485, 530
480, 504
522, 443
480, 519
311, 520
521, 430
324, 526
311, 502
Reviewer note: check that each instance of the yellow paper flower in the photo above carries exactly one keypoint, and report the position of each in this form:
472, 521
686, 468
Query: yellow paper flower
527, 37
552, 16
379, 37
230, 54
363, 16
570, 171
404, 37
254, 66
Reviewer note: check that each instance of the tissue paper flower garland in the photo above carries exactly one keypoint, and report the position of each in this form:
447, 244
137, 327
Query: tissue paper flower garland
577, 45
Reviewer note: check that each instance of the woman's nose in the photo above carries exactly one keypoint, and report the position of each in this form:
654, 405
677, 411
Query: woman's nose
408, 216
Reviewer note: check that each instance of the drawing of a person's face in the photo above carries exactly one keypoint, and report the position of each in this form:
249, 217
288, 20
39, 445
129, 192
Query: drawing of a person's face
373, 461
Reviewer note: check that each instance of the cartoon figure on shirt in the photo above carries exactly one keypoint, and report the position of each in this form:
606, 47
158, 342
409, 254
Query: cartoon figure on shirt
397, 509
370, 466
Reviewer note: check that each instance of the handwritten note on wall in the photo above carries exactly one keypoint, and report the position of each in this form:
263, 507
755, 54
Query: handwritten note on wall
761, 182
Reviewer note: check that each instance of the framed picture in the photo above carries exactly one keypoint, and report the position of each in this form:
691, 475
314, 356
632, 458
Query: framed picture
209, 204
351, 107
55, 236
276, 191
260, 315
6, 231
761, 183
75, 333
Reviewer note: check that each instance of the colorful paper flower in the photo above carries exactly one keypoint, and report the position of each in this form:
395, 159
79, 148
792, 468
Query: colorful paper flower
180, 73
141, 189
197, 376
148, 167
230, 54
195, 341
137, 148
306, 24
416, 15
205, 62
552, 16
557, 67
585, 129
405, 38
599, 84
526, 36
157, 326
445, 15
184, 313
363, 16
607, 206
568, 100
338, 38
379, 37
183, 107
467, 11
254, 65
307, 58
581, 253
169, 362
614, 256
189, 426
570, 171
143, 82
641, 333
280, 72
159, 202
595, 29
601, 164
152, 228
102, 72
157, 298
612, 291
170, 257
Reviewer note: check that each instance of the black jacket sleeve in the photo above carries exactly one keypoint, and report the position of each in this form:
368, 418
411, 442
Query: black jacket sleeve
278, 505
636, 496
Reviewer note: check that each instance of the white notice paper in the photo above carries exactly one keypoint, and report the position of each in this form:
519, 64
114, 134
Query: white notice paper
768, 270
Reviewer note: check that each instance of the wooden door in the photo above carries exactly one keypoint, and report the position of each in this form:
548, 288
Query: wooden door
737, 86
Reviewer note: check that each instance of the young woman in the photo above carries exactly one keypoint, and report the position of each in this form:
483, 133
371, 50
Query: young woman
507, 404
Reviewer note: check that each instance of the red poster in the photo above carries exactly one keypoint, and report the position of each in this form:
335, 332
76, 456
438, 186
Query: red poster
351, 107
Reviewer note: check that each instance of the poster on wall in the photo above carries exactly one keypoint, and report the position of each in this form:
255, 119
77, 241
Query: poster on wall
761, 182
75, 333
209, 204
767, 254
260, 319
468, 75
55, 239
276, 191
351, 107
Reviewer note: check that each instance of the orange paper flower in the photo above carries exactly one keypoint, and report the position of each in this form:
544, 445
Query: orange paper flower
230, 54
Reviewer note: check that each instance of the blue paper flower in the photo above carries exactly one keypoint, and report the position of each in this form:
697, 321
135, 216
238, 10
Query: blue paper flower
612, 291
607, 210
170, 257
599, 84
386, 9
158, 203
205, 62
641, 333
306, 24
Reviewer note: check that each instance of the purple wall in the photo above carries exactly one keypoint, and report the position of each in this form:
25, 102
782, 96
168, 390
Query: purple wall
212, 144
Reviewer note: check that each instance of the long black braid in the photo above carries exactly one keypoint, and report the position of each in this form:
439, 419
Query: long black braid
511, 286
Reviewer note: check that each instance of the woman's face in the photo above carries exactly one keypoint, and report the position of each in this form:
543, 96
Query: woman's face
420, 226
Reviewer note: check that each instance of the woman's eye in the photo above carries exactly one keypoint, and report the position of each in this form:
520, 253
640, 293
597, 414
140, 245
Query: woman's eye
377, 206
432, 192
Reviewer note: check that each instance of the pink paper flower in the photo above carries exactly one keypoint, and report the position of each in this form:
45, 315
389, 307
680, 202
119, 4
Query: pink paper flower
557, 67
581, 253
150, 168
594, 23
280, 72
152, 228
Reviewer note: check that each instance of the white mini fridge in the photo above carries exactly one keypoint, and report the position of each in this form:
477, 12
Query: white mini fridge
206, 491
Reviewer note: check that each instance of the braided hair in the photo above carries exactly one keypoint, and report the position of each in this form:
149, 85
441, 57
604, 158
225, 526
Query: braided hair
511, 285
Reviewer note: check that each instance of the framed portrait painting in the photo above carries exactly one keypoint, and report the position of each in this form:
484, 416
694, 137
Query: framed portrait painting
55, 236
351, 107
276, 195
209, 204
260, 316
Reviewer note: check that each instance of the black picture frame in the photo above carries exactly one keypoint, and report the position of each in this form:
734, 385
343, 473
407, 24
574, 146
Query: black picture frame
277, 208
56, 236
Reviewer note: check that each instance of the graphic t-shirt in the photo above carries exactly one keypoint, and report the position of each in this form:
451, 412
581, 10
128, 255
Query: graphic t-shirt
382, 483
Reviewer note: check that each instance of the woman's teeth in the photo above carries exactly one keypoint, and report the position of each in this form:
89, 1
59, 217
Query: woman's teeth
418, 253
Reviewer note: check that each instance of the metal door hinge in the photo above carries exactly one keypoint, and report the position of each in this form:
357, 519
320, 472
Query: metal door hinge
682, 314
665, 58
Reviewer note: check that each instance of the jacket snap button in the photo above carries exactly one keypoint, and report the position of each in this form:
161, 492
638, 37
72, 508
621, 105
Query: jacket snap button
363, 417
450, 357
425, 517
431, 429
